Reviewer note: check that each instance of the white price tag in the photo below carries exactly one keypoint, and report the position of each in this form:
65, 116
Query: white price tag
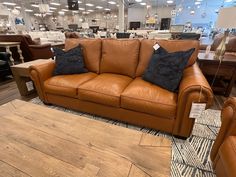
29, 85
156, 46
196, 110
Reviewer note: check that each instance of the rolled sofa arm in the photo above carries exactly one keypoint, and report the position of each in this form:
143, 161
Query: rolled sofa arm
228, 126
41, 51
193, 88
39, 74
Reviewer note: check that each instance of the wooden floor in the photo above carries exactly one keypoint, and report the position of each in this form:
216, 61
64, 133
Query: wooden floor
9, 92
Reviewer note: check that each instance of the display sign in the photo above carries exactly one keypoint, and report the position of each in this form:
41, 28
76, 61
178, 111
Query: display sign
151, 20
73, 5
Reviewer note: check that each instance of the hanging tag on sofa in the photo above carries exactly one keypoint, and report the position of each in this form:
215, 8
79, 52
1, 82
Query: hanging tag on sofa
156, 46
196, 110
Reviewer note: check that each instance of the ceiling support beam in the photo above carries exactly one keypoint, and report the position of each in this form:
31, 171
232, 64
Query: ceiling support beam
121, 16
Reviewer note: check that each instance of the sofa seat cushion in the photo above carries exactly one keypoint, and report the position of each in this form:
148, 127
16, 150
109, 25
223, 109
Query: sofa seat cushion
104, 89
67, 85
227, 154
148, 98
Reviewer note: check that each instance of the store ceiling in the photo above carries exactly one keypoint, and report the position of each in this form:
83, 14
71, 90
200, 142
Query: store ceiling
114, 7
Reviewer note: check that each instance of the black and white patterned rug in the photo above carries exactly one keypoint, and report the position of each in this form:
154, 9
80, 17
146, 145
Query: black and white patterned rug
190, 158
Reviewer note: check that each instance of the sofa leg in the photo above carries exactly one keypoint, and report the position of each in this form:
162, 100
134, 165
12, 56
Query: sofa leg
47, 104
180, 137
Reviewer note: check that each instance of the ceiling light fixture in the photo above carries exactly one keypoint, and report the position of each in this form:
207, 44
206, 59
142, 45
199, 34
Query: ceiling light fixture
143, 3
55, 4
99, 7
9, 3
90, 5
170, 2
34, 5
28, 10
111, 2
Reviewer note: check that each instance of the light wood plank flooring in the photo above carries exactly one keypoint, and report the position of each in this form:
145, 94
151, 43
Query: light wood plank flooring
9, 92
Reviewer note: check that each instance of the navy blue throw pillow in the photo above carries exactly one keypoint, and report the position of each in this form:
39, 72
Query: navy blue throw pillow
69, 62
166, 69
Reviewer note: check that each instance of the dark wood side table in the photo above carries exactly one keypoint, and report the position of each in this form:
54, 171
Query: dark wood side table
22, 76
226, 75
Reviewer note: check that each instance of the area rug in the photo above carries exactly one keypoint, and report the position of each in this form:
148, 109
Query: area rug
191, 157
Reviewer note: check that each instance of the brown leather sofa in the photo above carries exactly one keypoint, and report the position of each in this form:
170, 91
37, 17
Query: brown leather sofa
114, 88
223, 154
31, 50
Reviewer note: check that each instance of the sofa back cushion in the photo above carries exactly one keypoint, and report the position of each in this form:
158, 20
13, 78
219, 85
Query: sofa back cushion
120, 56
91, 50
146, 51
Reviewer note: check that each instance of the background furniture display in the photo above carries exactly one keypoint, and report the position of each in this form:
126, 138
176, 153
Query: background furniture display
223, 154
4, 65
113, 88
8, 45
223, 22
30, 49
230, 47
75, 146
22, 76
123, 35
48, 37
165, 23
223, 74
160, 34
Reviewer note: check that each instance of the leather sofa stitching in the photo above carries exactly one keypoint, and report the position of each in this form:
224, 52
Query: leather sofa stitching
150, 101
85, 90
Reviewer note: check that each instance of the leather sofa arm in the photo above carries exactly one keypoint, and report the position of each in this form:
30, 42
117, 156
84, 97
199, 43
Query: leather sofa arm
193, 88
41, 51
228, 126
39, 74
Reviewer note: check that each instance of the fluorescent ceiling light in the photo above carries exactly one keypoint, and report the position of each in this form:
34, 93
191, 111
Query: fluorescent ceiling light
138, 0
65, 10
90, 5
61, 12
34, 5
90, 10
197, 2
18, 7
28, 10
81, 8
9, 3
169, 1
228, 0
55, 4
107, 9
53, 8
79, 2
111, 2
143, 3
75, 12
99, 7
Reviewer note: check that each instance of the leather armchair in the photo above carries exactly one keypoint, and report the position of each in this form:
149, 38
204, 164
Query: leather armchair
31, 50
223, 154
4, 65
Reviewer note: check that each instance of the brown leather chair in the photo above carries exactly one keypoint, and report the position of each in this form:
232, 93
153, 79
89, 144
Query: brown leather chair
230, 47
31, 50
114, 88
223, 154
